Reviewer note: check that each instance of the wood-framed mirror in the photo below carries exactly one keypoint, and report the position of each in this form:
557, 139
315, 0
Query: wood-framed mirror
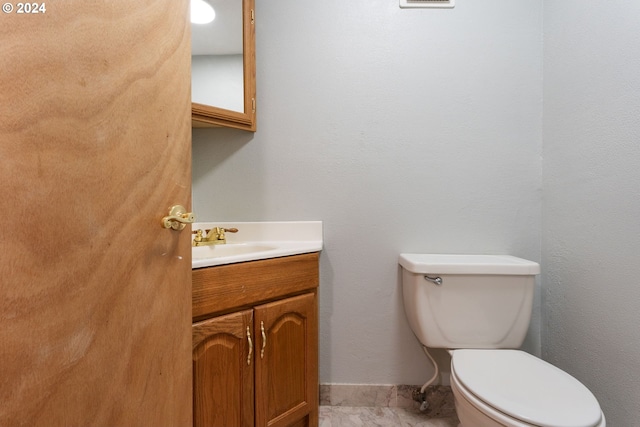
223, 67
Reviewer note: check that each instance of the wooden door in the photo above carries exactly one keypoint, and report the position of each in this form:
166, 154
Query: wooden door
223, 361
95, 136
287, 370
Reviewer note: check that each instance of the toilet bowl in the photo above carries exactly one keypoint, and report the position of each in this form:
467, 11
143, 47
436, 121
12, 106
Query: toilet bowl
479, 307
512, 388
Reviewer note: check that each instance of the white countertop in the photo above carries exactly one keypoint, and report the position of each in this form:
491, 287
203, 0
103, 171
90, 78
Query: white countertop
258, 240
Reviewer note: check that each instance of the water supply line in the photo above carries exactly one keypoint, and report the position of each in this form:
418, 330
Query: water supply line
425, 405
435, 366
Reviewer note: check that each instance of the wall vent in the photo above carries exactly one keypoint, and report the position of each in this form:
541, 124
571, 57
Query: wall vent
427, 3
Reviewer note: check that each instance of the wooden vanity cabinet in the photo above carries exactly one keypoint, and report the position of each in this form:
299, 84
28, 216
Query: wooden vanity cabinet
256, 363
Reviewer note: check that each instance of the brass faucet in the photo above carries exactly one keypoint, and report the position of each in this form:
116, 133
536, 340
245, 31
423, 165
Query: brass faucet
214, 236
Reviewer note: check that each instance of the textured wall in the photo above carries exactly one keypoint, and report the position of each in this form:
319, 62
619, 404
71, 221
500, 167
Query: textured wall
591, 226
404, 131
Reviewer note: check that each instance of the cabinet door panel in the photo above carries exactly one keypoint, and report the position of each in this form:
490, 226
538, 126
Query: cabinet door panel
223, 371
287, 372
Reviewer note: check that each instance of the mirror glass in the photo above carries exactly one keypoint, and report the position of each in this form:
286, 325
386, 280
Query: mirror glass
217, 67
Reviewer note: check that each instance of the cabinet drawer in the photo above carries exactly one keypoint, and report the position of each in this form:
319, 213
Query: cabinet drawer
229, 287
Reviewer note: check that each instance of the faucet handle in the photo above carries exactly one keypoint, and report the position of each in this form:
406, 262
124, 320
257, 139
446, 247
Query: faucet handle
220, 232
199, 237
218, 229
213, 236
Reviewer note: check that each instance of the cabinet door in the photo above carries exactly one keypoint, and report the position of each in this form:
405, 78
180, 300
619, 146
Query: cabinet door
287, 362
223, 359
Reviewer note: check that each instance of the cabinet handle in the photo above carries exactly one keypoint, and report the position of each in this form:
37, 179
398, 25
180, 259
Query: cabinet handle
250, 346
264, 339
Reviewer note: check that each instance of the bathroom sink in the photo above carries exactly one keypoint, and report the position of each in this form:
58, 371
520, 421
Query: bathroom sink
257, 241
229, 249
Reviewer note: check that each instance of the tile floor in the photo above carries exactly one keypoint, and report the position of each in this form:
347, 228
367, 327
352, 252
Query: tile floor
349, 416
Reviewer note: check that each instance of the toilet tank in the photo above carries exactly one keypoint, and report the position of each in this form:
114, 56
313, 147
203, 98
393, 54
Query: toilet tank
483, 301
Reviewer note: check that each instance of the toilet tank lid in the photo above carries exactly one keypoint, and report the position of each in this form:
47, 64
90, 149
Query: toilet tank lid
468, 264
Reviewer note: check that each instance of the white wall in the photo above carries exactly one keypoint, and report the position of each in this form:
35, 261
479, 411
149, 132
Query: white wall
404, 131
591, 219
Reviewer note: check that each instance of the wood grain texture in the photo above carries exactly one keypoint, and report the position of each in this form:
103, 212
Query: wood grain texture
223, 371
287, 375
95, 300
223, 288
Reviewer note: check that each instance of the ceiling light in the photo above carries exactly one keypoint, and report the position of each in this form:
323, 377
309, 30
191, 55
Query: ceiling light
201, 12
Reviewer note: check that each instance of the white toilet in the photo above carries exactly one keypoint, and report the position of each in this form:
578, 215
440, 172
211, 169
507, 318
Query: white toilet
479, 307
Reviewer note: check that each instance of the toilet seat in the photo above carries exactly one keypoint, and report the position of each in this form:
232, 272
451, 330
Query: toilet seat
517, 385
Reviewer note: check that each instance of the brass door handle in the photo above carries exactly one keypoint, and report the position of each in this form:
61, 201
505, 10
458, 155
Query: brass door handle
264, 339
250, 346
178, 217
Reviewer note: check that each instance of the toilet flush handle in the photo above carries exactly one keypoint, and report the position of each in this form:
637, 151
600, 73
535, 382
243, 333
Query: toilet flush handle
437, 280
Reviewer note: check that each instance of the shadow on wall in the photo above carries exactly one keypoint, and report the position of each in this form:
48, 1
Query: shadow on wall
214, 151
212, 146
325, 313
